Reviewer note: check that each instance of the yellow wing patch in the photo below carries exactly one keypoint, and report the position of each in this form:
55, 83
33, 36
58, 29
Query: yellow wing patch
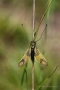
24, 59
40, 58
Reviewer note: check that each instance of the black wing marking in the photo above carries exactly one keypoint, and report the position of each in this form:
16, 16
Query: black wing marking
25, 58
40, 58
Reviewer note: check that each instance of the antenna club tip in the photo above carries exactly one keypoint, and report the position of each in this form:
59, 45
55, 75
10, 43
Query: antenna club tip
46, 24
57, 66
22, 24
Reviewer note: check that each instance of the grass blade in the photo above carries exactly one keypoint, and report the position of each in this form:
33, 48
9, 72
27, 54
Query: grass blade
49, 4
47, 78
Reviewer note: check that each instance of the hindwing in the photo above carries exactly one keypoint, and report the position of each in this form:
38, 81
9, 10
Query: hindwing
40, 58
25, 58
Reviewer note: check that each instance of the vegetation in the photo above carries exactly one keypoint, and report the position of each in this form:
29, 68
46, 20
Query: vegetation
13, 44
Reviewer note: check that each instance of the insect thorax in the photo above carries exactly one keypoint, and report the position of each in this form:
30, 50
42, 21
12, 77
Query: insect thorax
33, 44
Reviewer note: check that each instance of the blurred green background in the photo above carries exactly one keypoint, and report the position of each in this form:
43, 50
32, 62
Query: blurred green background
14, 42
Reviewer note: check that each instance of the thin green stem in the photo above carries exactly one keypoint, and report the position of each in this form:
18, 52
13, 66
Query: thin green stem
47, 78
35, 34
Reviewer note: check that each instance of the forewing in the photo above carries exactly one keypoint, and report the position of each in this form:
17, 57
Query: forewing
25, 58
40, 58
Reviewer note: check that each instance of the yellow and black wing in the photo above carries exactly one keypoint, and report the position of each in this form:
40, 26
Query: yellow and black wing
40, 58
25, 58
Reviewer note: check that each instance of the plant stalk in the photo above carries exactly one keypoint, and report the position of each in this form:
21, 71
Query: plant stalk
33, 17
33, 39
32, 76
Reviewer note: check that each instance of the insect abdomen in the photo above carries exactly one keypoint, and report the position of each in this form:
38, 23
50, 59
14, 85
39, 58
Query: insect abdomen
32, 54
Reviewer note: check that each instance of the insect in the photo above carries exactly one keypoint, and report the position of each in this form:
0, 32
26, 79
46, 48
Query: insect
33, 52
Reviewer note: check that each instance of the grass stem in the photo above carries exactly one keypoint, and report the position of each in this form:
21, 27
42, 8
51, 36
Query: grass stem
32, 76
33, 39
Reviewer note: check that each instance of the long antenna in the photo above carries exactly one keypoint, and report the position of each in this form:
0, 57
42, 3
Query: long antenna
42, 33
24, 31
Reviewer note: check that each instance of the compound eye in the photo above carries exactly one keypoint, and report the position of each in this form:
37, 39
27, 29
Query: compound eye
31, 43
34, 43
